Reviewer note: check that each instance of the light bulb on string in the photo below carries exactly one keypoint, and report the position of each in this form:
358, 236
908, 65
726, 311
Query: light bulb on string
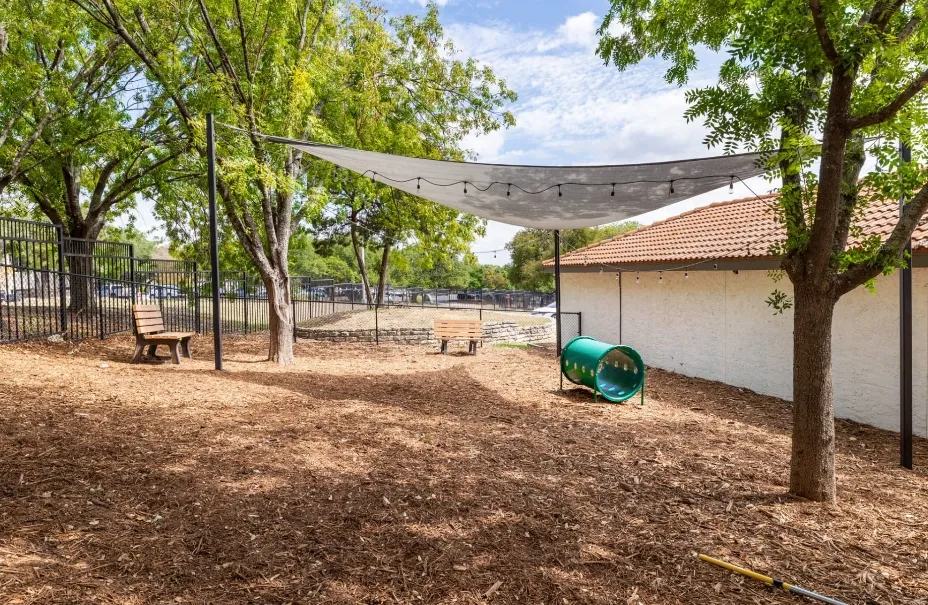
559, 194
715, 266
613, 190
661, 278
465, 187
638, 277
671, 188
508, 187
731, 185
600, 269
418, 183
617, 276
686, 275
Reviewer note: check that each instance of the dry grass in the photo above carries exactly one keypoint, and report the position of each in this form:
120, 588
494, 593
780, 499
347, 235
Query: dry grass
394, 475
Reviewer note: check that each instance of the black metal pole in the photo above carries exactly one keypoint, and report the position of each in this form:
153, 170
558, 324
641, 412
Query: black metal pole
905, 342
213, 238
557, 287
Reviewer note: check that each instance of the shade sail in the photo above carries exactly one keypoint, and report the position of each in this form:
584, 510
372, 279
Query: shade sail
544, 197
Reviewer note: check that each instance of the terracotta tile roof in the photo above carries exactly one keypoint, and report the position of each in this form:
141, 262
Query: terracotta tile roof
731, 230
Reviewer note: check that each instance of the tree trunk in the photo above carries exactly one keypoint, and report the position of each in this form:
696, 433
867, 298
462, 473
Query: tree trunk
384, 271
812, 470
358, 248
280, 316
81, 284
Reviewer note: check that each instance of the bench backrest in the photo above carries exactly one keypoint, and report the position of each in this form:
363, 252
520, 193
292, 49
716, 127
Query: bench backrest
147, 319
458, 329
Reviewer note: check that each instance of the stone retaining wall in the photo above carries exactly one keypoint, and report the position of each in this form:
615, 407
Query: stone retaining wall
493, 331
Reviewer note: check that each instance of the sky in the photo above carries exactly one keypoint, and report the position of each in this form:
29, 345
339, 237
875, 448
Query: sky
572, 108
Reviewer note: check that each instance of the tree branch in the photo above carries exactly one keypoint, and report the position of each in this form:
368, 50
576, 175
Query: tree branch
828, 45
889, 110
892, 248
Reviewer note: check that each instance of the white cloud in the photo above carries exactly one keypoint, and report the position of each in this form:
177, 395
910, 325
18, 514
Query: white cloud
580, 30
425, 2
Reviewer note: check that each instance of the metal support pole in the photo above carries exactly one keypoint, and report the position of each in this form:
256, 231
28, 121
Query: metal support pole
376, 323
213, 238
557, 287
905, 341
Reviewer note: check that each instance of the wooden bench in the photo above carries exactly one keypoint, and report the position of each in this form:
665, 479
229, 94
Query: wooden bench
458, 329
149, 331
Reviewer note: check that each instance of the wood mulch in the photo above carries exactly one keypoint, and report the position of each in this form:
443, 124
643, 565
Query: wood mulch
387, 474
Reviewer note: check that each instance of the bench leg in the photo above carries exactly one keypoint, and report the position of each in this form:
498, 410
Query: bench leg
185, 348
153, 351
139, 348
473, 347
175, 353
444, 347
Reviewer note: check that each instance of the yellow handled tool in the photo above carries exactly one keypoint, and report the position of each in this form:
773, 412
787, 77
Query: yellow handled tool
771, 581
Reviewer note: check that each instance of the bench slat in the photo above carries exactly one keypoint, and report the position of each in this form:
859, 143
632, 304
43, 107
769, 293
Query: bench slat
169, 336
149, 329
149, 321
146, 308
147, 314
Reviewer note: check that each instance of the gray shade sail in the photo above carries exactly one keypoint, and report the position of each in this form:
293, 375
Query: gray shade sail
544, 197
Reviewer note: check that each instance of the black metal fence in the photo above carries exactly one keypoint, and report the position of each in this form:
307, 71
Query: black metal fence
52, 284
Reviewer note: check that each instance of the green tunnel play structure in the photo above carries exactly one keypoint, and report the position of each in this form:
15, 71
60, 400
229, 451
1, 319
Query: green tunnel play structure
614, 371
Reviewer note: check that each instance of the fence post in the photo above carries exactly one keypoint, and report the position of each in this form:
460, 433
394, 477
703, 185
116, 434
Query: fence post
62, 280
132, 273
100, 305
376, 323
245, 299
196, 297
579, 323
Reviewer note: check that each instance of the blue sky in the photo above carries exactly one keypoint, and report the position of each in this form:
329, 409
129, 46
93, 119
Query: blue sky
572, 109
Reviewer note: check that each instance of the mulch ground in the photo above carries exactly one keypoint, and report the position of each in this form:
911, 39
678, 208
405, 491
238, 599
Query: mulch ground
384, 474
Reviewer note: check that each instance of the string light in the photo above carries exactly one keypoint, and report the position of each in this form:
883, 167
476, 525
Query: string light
671, 186
686, 275
618, 276
508, 187
373, 177
731, 185
638, 277
559, 194
613, 190
465, 187
418, 183
661, 278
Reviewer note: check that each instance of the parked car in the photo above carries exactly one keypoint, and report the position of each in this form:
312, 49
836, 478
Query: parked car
468, 296
10, 296
121, 292
165, 292
546, 311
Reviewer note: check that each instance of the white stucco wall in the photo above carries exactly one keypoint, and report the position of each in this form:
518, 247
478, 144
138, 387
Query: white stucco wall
716, 325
